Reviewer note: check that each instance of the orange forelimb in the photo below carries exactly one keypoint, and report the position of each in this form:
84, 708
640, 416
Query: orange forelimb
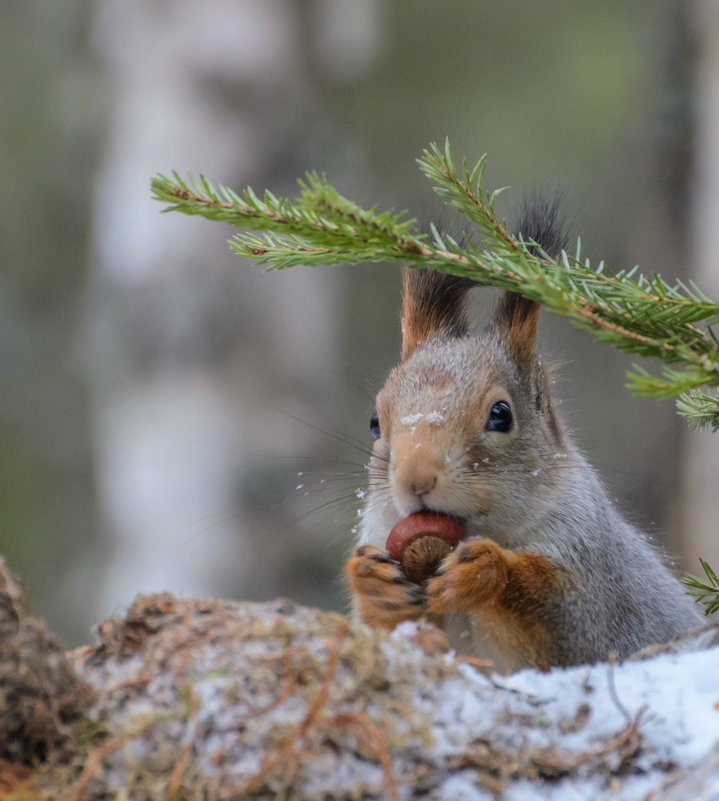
508, 592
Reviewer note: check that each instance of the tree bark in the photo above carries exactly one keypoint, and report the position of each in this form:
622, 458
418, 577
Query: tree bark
698, 514
189, 699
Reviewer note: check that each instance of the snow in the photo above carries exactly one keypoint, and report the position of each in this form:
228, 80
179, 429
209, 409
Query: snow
673, 696
586, 733
435, 417
680, 692
463, 788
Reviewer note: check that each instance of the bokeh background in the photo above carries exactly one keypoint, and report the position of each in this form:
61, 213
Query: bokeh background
171, 417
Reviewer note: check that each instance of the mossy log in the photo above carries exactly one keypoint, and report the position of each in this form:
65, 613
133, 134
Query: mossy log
206, 699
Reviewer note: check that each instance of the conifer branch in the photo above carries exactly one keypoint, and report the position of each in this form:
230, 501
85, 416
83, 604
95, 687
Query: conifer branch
699, 409
637, 314
705, 591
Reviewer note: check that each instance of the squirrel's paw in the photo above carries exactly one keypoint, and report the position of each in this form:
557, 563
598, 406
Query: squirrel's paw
382, 594
470, 575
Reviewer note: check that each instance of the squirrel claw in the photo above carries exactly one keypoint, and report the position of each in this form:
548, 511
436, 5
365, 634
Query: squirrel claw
382, 594
472, 574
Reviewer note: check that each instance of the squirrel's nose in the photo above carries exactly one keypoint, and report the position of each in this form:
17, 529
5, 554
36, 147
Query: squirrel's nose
423, 485
415, 479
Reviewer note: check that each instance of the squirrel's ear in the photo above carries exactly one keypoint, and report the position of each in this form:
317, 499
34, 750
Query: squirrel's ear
516, 317
433, 305
516, 320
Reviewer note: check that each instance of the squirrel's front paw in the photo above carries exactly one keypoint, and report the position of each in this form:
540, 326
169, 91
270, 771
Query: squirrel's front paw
382, 594
470, 575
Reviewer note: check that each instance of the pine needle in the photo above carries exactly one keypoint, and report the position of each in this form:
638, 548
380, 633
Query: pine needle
705, 591
643, 315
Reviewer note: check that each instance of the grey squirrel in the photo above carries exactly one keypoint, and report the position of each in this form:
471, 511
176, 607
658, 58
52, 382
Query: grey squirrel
548, 572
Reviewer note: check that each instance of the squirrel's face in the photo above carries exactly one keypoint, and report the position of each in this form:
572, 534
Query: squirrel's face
456, 432
464, 425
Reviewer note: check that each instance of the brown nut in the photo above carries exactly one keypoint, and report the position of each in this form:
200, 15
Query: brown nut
420, 542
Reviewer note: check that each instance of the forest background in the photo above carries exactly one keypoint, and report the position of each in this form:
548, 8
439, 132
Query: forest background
173, 418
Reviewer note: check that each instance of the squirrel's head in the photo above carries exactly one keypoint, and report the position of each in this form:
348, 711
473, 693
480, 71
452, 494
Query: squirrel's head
464, 424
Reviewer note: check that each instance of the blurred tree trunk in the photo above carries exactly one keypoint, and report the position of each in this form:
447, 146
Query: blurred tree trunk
698, 511
48, 131
196, 354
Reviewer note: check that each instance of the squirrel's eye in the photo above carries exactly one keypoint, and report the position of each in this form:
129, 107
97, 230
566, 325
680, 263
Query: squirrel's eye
500, 417
374, 426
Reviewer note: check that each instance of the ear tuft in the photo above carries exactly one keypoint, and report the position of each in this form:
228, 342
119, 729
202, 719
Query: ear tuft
433, 305
516, 317
540, 219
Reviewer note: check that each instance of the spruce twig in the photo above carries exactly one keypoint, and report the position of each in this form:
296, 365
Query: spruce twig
699, 409
705, 591
638, 314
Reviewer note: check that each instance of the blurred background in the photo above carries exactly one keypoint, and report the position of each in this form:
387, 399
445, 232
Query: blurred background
173, 418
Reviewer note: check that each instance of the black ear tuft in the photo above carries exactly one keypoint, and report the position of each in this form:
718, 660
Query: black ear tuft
516, 317
541, 220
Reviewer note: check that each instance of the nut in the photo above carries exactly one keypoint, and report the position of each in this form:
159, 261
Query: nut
420, 542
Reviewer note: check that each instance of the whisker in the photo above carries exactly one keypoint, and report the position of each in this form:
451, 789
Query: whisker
324, 507
345, 439
226, 517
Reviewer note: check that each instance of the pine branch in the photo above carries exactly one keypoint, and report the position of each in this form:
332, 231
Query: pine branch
699, 409
465, 194
637, 314
705, 591
320, 227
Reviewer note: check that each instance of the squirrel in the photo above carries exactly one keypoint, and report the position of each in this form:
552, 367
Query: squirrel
548, 573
